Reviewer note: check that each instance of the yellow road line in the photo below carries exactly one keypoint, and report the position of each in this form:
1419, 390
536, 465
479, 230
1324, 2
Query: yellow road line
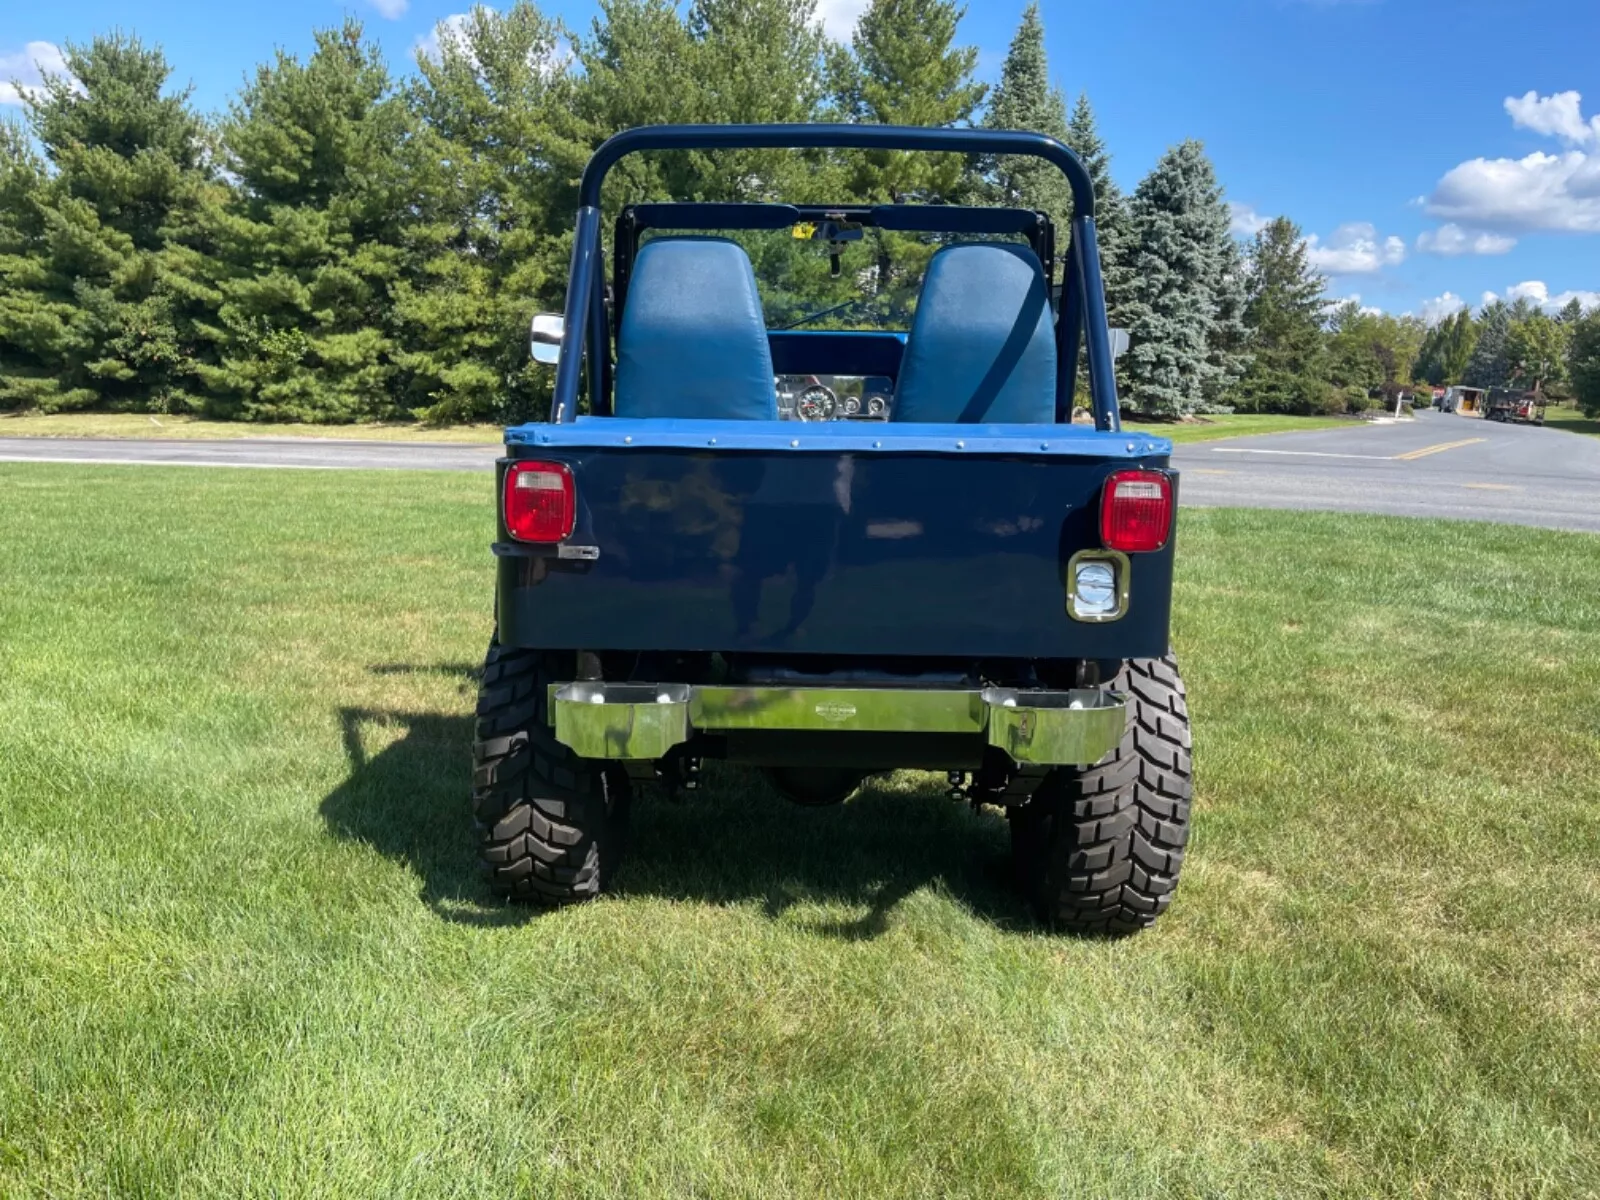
1493, 487
1439, 449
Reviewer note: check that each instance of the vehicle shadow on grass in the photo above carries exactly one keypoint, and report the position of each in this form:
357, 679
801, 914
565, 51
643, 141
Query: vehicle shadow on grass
733, 841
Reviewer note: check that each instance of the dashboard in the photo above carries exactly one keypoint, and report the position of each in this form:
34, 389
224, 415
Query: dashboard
834, 397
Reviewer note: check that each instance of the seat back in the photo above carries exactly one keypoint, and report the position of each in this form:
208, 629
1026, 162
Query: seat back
982, 347
693, 341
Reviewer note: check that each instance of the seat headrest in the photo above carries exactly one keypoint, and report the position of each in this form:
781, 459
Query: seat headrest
693, 341
982, 347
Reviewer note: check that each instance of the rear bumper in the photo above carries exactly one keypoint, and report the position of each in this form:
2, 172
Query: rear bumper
642, 721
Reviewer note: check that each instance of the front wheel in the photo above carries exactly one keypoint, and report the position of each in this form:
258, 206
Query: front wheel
1098, 849
552, 824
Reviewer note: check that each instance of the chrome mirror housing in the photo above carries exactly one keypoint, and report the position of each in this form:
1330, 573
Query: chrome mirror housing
545, 336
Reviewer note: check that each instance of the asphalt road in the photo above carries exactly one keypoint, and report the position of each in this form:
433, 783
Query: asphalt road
1436, 466
1439, 465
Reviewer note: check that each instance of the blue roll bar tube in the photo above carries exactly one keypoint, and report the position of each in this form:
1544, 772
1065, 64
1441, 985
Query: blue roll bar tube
584, 307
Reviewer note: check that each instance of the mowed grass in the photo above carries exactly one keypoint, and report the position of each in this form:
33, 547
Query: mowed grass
244, 950
1211, 429
146, 426
1559, 416
185, 428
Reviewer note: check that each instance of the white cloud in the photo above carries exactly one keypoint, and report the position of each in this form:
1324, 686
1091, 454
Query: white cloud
839, 17
455, 29
1245, 221
1559, 116
452, 28
22, 74
1370, 310
1440, 307
1452, 240
1557, 192
392, 9
1538, 292
1354, 249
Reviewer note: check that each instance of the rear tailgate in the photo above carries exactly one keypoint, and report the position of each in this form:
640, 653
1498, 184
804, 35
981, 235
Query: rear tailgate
849, 539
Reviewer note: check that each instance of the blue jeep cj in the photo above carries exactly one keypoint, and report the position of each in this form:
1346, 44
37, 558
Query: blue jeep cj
834, 552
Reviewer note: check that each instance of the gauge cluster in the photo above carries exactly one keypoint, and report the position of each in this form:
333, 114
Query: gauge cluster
834, 397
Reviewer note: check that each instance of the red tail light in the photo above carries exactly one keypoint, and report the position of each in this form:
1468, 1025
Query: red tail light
1136, 511
541, 501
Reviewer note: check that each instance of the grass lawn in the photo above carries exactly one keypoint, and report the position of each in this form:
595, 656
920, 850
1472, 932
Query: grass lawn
143, 425
1210, 429
139, 425
244, 950
1570, 419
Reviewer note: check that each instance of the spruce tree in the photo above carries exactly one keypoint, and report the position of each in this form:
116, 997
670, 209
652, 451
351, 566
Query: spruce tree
1284, 313
1112, 221
1230, 341
107, 307
1489, 366
1024, 99
1185, 311
315, 245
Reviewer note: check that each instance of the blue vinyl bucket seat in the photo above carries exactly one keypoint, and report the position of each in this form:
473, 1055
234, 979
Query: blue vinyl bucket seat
693, 341
982, 348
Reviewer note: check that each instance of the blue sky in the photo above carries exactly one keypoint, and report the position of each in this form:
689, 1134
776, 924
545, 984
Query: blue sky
1436, 150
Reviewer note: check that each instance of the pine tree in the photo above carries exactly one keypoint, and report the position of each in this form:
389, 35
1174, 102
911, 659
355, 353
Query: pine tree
108, 303
904, 69
34, 326
1489, 366
316, 243
1583, 362
1024, 99
493, 165
1458, 346
1284, 313
1185, 310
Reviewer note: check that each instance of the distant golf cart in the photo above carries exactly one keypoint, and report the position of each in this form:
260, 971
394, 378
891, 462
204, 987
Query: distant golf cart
1514, 407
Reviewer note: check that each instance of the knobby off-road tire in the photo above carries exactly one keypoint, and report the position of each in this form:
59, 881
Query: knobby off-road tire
552, 824
1098, 849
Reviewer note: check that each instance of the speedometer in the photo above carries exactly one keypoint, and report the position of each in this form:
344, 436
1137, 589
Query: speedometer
816, 403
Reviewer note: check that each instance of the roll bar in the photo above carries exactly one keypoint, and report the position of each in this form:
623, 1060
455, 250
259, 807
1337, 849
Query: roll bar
1083, 306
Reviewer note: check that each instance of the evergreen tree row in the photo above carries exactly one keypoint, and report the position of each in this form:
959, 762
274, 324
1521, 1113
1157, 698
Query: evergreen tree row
344, 244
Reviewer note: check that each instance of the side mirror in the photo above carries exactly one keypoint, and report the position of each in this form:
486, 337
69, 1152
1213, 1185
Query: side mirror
1119, 343
544, 338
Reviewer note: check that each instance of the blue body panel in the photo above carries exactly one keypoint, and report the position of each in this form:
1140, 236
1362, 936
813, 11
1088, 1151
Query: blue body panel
877, 541
1049, 441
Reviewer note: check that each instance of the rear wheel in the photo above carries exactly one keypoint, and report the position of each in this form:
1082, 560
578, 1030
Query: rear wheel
552, 824
1098, 849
